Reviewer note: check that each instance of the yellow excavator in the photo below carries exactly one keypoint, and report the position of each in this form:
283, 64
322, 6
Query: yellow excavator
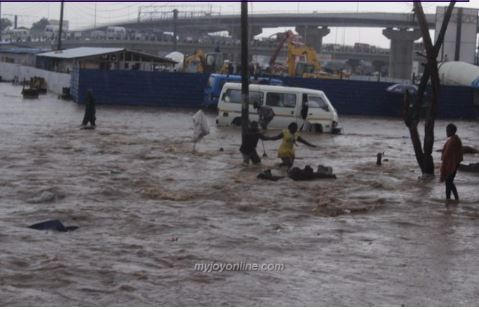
302, 60
201, 62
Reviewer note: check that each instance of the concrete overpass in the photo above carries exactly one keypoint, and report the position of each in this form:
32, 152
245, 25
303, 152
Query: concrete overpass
401, 28
230, 22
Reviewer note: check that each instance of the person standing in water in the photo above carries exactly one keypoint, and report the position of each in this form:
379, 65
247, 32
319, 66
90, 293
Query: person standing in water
265, 114
286, 149
90, 111
451, 157
250, 141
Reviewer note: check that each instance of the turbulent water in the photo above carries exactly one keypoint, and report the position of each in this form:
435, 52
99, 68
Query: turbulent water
149, 210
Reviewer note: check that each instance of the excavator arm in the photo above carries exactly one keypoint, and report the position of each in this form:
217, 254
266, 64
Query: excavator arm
286, 36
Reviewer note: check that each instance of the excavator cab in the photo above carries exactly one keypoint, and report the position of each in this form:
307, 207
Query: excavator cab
303, 69
194, 63
213, 62
200, 62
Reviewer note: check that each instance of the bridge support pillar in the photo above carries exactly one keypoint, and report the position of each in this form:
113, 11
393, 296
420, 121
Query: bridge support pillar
313, 36
401, 51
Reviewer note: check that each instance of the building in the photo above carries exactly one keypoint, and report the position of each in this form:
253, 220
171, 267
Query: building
19, 55
56, 23
101, 58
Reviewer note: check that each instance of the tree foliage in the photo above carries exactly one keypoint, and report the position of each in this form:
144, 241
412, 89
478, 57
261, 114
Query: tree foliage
40, 25
5, 23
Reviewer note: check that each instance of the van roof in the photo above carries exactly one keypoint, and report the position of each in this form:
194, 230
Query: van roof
270, 87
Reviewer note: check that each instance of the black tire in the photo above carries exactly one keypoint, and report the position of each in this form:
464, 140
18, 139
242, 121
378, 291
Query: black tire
318, 128
236, 121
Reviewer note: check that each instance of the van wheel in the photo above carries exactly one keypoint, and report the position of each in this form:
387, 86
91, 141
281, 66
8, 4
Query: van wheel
236, 121
318, 128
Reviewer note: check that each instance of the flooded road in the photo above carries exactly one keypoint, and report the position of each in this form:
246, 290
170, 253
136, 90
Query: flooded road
149, 210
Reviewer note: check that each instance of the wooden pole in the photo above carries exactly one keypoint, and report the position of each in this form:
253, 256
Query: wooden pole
60, 28
1, 21
175, 30
244, 68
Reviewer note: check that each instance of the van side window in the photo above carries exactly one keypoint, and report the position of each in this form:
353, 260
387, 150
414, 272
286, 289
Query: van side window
317, 102
234, 96
281, 100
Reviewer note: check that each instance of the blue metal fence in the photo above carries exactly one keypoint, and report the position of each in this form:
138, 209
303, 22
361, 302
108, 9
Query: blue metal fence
167, 89
186, 90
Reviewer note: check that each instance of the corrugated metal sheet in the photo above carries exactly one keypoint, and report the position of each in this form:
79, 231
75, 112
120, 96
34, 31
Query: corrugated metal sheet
81, 52
21, 50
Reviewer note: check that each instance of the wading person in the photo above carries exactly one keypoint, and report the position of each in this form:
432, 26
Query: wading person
201, 127
304, 113
451, 157
250, 141
90, 111
286, 149
265, 114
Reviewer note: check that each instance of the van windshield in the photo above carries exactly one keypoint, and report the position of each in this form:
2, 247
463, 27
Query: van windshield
234, 96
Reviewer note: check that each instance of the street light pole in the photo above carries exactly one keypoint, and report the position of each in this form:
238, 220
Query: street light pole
60, 28
244, 69
1, 21
175, 30
94, 22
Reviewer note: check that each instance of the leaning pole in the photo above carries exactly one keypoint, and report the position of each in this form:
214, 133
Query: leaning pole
60, 28
244, 68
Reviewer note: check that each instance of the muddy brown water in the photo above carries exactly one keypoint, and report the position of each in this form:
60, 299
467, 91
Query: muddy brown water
149, 210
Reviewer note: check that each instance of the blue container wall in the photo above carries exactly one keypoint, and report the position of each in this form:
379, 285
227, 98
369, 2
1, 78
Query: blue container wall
75, 85
166, 89
370, 98
355, 97
186, 90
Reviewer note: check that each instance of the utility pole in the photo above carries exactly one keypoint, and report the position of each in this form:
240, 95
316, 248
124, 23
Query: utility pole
244, 69
94, 22
175, 35
60, 28
1, 21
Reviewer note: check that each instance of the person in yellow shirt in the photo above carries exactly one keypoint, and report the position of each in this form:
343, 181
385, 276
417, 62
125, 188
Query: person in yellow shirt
286, 149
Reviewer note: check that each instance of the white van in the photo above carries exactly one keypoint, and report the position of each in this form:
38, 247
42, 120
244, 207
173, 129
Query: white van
286, 102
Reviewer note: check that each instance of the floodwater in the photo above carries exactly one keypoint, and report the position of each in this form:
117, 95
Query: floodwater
149, 210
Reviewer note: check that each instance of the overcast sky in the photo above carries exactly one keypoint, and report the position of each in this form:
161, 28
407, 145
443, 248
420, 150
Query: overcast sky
82, 15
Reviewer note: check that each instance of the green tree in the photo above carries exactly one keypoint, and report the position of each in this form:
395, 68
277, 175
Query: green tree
40, 25
5, 23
